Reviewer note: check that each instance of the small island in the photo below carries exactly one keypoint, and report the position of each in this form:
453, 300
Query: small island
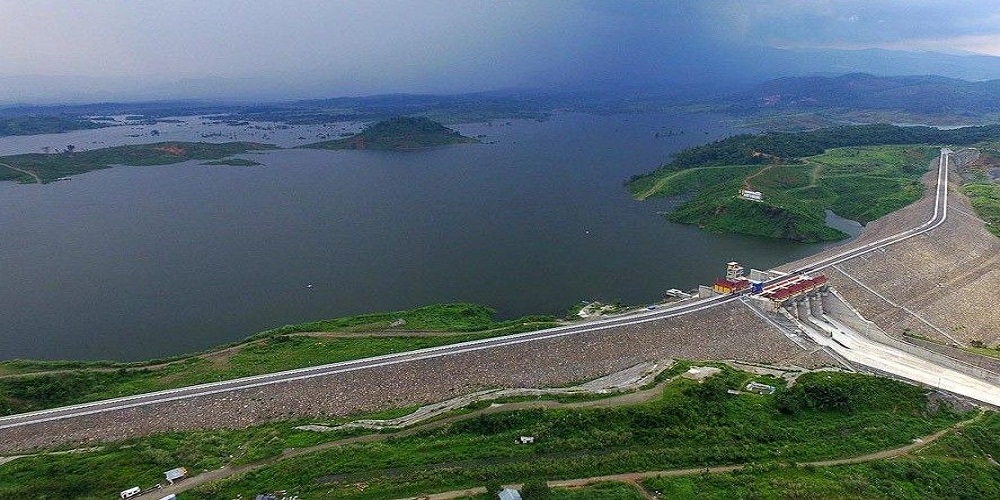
404, 133
232, 162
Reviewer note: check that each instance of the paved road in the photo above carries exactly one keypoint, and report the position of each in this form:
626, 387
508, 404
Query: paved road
938, 217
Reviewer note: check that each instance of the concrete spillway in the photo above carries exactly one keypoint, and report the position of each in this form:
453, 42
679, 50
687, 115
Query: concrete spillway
830, 322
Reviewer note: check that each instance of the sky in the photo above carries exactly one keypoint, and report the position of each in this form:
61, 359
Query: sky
311, 48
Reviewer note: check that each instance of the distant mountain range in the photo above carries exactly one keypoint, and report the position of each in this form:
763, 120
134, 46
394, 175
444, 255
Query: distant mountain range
815, 101
786, 103
690, 71
918, 94
772, 63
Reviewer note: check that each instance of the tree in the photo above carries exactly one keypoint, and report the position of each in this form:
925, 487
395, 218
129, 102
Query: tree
534, 490
711, 389
492, 488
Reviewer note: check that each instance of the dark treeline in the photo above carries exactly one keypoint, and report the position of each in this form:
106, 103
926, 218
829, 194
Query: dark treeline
31, 125
745, 149
925, 94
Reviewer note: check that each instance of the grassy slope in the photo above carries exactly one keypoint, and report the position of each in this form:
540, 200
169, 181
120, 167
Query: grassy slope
53, 166
984, 193
956, 466
274, 350
985, 199
398, 134
692, 425
860, 183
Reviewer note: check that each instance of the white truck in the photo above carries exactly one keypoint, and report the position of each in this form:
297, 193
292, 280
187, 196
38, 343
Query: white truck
131, 492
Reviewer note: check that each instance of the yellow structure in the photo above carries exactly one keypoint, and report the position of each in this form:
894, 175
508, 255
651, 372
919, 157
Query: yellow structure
733, 282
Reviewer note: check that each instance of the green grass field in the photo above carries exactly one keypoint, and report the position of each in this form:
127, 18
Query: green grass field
985, 199
692, 425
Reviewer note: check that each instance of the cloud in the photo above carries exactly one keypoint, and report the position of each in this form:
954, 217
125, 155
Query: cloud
909, 25
323, 47
977, 44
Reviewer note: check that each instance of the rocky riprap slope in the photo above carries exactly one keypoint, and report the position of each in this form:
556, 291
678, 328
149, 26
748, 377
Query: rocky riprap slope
946, 276
725, 332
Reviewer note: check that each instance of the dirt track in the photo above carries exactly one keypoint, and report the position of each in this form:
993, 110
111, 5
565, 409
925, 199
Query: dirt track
636, 477
38, 180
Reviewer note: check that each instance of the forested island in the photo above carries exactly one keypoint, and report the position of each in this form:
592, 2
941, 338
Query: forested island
398, 134
33, 125
47, 167
860, 172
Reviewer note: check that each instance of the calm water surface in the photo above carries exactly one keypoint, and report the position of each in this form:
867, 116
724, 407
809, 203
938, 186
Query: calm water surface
138, 262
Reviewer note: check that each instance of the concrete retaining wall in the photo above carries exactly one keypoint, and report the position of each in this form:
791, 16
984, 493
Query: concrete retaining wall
847, 315
984, 362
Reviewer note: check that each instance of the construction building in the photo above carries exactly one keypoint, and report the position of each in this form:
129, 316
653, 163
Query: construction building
747, 194
724, 286
733, 282
792, 288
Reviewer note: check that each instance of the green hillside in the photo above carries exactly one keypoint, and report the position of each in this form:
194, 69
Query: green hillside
859, 172
680, 424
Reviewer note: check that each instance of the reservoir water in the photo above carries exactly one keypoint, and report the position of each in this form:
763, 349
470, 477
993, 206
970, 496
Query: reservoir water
137, 262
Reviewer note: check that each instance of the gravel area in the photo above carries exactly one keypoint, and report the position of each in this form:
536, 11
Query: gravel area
629, 379
946, 277
726, 332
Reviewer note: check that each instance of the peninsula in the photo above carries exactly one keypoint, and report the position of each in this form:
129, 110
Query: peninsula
33, 125
47, 167
779, 185
403, 133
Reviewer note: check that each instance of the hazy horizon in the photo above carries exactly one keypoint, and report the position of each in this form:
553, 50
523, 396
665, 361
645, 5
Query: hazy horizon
237, 50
